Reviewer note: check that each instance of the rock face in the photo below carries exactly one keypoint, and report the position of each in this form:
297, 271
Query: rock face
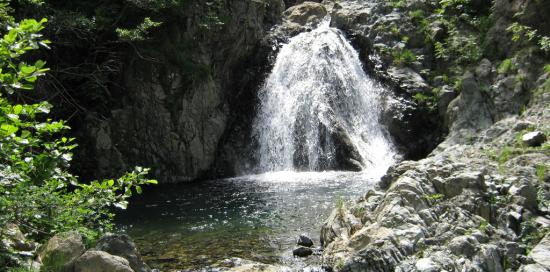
100, 261
478, 200
61, 251
123, 246
172, 110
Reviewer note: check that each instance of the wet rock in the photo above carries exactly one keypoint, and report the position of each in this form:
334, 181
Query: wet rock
302, 252
533, 139
101, 261
303, 240
347, 155
61, 251
123, 246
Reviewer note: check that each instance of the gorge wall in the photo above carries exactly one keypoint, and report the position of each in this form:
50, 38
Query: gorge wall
188, 122
479, 201
174, 105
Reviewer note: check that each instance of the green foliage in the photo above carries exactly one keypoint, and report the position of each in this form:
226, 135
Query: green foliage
462, 49
427, 100
139, 33
506, 66
36, 191
434, 197
359, 211
531, 233
505, 154
398, 3
453, 7
403, 56
541, 172
341, 206
523, 33
21, 38
483, 225
339, 265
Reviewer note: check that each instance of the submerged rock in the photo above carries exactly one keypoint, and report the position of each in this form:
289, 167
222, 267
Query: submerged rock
303, 240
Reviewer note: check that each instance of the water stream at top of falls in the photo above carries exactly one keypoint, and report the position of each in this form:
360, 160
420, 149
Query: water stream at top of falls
317, 94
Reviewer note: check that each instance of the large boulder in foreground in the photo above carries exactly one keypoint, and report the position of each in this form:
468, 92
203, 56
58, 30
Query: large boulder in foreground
123, 246
61, 251
101, 261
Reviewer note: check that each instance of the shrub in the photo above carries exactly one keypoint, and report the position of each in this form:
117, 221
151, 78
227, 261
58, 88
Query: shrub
505, 67
36, 190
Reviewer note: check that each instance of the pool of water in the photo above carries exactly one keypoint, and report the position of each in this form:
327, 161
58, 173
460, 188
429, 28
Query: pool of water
259, 217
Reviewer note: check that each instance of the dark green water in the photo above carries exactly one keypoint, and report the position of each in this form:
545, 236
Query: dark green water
192, 226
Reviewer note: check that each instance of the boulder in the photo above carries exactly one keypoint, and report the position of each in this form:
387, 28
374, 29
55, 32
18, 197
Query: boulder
302, 252
61, 251
533, 139
463, 245
101, 261
303, 240
307, 13
123, 246
16, 240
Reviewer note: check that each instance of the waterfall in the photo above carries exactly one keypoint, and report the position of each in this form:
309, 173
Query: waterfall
319, 110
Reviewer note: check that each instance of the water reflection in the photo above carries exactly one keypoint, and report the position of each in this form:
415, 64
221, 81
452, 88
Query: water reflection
258, 217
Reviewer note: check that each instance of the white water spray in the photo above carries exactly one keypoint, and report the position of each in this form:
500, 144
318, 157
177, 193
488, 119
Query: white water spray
318, 89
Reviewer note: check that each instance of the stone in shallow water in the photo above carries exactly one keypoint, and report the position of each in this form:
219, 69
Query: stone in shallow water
302, 252
533, 139
303, 240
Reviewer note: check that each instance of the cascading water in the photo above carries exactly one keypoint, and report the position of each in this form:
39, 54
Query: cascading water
318, 105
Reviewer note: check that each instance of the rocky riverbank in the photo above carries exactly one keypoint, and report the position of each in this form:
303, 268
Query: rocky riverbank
479, 201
